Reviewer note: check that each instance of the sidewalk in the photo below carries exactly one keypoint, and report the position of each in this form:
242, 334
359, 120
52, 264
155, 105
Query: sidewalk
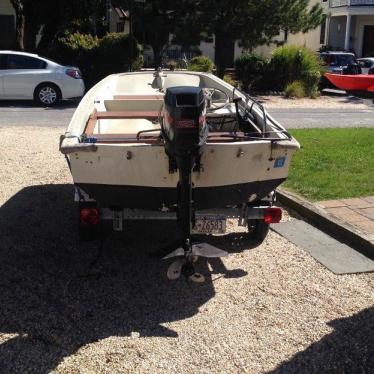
349, 220
358, 213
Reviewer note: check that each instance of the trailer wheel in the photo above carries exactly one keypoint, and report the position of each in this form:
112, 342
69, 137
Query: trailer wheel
88, 233
258, 229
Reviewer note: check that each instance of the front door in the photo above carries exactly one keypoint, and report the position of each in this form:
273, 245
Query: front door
368, 45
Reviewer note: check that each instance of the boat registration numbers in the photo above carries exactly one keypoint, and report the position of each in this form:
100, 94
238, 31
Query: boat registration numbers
212, 224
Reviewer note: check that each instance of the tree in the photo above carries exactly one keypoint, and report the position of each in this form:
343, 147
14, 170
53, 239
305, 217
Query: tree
53, 18
251, 22
20, 22
154, 22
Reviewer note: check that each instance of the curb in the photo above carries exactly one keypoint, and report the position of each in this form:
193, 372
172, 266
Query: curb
330, 225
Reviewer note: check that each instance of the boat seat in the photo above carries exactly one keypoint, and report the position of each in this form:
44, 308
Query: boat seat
122, 103
123, 126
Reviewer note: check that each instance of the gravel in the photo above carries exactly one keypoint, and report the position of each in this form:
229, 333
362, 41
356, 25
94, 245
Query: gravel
66, 308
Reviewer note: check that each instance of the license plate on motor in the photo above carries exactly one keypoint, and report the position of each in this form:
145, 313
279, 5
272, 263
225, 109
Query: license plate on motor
210, 225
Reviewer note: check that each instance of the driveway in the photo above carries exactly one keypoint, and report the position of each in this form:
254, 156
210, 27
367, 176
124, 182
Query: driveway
65, 309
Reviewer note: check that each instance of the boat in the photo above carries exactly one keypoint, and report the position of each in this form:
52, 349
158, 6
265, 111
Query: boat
360, 85
176, 145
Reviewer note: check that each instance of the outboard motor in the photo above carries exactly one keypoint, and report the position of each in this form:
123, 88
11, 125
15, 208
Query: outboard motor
185, 132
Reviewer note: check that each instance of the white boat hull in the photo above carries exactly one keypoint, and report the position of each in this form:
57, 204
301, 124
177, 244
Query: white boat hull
138, 176
117, 167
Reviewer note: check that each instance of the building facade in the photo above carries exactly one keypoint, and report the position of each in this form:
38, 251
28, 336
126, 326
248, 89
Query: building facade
350, 26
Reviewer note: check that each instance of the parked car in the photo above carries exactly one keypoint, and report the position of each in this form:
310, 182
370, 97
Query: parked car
26, 76
366, 64
338, 63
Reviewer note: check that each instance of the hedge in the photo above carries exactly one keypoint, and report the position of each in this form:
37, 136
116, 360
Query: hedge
95, 57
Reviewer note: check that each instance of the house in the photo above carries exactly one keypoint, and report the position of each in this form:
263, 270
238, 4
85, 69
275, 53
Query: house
119, 19
7, 25
350, 26
314, 39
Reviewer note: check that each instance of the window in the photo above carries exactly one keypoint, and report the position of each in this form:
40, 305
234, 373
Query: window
365, 63
120, 26
2, 61
323, 33
24, 62
343, 60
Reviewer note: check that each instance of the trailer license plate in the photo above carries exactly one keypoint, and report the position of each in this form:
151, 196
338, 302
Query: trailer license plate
210, 225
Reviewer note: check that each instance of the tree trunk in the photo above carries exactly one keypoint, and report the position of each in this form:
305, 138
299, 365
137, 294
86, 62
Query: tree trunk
225, 49
20, 24
157, 52
20, 31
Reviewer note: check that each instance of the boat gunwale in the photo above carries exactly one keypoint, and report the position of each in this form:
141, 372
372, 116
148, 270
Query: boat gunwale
213, 137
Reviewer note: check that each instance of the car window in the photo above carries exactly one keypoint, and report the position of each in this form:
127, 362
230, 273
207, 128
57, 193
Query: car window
24, 62
343, 60
364, 63
2, 61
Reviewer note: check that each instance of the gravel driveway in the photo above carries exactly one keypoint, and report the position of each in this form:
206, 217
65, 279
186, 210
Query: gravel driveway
270, 308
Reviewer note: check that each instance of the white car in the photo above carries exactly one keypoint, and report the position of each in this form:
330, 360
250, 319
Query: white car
26, 76
367, 64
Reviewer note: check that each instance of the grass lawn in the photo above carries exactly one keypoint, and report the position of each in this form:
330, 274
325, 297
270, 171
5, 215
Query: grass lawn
333, 163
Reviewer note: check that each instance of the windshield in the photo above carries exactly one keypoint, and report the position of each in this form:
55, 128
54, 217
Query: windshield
342, 60
339, 60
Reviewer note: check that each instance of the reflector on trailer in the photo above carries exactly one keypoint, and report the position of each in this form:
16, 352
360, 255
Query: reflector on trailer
89, 216
272, 215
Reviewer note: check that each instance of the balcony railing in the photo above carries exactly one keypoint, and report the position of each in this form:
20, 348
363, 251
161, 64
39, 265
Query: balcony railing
337, 3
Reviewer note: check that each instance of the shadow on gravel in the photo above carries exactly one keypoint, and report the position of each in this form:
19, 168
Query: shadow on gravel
54, 299
64, 104
348, 349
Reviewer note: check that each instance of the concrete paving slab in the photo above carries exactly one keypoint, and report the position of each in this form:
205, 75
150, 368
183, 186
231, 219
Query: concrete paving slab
367, 212
356, 203
336, 256
331, 204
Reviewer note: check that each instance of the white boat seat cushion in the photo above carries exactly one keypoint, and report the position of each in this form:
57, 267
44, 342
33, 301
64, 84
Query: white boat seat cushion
123, 126
135, 105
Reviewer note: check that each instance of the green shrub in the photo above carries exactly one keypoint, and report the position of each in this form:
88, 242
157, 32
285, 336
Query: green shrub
114, 53
293, 63
229, 79
95, 57
79, 42
249, 69
295, 90
201, 63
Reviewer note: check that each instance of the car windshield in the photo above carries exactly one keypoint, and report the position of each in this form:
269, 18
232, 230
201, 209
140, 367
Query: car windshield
343, 60
338, 60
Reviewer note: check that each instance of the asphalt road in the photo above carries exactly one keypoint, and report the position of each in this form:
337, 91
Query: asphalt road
322, 117
28, 114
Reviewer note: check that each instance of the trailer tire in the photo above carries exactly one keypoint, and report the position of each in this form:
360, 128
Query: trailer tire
258, 230
87, 233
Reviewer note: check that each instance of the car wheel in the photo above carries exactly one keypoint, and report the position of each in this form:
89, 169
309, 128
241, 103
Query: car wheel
47, 94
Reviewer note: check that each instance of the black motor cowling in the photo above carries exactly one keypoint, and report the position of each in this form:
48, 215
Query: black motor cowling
184, 124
